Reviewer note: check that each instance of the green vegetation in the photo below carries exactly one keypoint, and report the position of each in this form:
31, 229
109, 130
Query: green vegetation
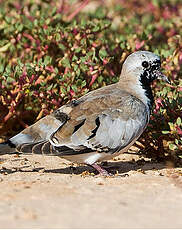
54, 51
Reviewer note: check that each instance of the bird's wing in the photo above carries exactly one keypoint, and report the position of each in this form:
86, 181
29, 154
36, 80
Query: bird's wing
106, 120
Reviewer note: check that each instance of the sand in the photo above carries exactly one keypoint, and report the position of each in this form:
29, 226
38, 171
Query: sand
49, 192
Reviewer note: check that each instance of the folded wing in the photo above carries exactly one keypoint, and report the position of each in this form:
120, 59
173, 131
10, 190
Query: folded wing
105, 120
103, 123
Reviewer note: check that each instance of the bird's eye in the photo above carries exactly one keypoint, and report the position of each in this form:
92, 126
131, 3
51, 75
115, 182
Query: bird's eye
145, 64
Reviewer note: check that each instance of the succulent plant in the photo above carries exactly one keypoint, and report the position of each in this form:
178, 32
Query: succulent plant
54, 51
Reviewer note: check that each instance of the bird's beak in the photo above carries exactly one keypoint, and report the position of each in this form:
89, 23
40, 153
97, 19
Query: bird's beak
162, 76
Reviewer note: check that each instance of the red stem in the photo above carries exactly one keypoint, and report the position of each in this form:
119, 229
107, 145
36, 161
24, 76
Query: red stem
72, 15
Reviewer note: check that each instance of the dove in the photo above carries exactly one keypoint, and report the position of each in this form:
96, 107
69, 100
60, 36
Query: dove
99, 125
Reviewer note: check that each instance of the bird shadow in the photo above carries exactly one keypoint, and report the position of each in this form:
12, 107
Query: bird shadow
115, 167
111, 167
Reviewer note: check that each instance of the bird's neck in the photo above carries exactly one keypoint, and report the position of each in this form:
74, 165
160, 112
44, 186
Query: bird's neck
148, 92
138, 89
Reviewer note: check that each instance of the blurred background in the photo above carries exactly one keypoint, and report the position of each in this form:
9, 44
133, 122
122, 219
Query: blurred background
54, 51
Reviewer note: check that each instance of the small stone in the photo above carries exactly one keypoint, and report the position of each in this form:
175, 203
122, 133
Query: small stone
85, 173
42, 170
27, 186
141, 171
100, 183
39, 170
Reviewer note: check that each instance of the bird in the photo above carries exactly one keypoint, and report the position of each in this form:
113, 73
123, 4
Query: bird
99, 125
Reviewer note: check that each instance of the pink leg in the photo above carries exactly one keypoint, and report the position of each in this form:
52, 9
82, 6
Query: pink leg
101, 171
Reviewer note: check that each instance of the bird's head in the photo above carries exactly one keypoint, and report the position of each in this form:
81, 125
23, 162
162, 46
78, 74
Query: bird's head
143, 65
139, 70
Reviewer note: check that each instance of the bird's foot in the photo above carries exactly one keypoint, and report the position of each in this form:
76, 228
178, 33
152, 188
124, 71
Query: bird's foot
102, 171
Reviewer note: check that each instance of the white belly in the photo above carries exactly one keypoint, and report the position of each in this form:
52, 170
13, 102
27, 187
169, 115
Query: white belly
93, 157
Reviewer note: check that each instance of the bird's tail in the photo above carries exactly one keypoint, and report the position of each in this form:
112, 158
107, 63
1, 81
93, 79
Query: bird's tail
10, 146
37, 133
7, 148
43, 147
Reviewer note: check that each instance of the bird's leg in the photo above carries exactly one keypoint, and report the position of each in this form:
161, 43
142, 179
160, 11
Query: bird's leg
101, 171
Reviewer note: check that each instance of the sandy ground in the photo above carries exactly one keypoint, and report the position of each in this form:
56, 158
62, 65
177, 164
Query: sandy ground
46, 192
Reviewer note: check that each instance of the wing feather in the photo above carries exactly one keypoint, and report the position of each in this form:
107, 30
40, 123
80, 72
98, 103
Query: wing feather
107, 119
113, 125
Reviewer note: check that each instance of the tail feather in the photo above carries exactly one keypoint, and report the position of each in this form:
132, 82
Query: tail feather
47, 148
41, 147
7, 148
37, 148
27, 147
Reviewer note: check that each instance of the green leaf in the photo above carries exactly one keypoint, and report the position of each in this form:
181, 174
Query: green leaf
35, 22
77, 50
68, 88
122, 45
83, 59
8, 69
74, 58
100, 12
172, 146
29, 108
47, 60
75, 67
100, 79
65, 62
1, 68
27, 23
5, 47
96, 28
74, 88
165, 131
83, 67
43, 83
47, 21
19, 27
61, 46
10, 79
63, 90
144, 36
176, 141
155, 2
178, 121
103, 53
50, 87
8, 19
83, 83
58, 37
78, 72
